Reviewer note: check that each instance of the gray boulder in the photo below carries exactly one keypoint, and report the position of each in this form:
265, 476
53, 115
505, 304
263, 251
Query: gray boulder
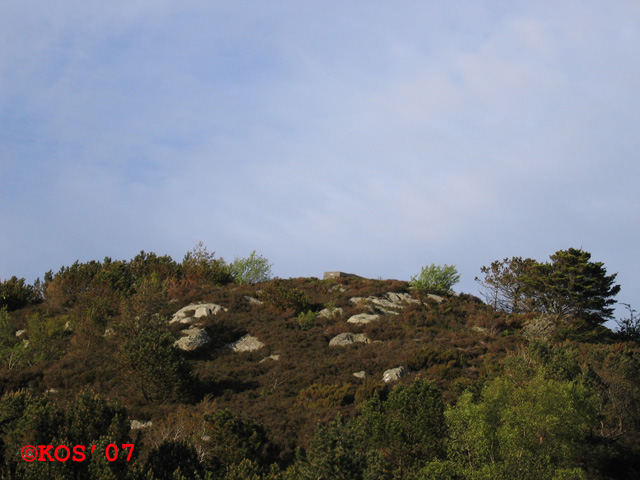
248, 343
193, 338
393, 374
363, 318
330, 313
347, 338
194, 311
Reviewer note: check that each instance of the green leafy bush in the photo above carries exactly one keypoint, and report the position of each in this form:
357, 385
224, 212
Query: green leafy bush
435, 279
253, 269
306, 320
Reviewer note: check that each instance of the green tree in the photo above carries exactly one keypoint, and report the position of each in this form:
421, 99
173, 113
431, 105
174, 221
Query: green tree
573, 286
407, 430
536, 429
155, 367
335, 452
253, 269
435, 279
15, 293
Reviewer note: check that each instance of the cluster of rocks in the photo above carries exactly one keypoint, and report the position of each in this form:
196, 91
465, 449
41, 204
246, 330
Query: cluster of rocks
391, 375
388, 304
196, 337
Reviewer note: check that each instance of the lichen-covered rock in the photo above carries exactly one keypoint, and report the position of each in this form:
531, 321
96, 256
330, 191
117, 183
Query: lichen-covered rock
393, 374
363, 318
248, 343
347, 338
193, 338
196, 310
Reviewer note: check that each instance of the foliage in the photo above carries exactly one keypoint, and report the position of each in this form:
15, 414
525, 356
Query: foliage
324, 396
253, 269
573, 286
335, 452
171, 456
233, 440
435, 279
15, 293
568, 287
200, 265
14, 352
629, 327
155, 366
534, 429
407, 429
503, 286
306, 320
282, 299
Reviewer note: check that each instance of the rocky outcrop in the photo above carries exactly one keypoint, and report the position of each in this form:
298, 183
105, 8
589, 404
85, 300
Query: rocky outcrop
193, 338
363, 318
347, 338
393, 374
388, 304
192, 312
248, 343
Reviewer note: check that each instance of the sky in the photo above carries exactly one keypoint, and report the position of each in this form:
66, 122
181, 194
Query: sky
370, 137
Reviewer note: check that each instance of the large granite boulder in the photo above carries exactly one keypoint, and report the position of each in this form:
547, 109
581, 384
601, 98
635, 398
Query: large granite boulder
248, 343
347, 338
192, 339
192, 312
393, 374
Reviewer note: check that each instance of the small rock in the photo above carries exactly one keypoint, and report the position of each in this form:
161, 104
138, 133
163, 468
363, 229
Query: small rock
137, 424
21, 333
253, 301
393, 374
193, 339
248, 343
348, 338
275, 358
330, 313
363, 318
360, 374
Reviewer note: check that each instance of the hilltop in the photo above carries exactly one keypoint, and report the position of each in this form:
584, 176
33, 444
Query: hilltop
223, 372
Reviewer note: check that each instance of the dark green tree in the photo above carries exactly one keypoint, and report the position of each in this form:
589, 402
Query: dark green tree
572, 286
407, 430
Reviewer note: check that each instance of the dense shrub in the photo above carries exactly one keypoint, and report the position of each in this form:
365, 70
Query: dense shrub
16, 293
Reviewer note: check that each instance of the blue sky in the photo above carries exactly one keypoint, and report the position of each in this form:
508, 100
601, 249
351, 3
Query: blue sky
369, 137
